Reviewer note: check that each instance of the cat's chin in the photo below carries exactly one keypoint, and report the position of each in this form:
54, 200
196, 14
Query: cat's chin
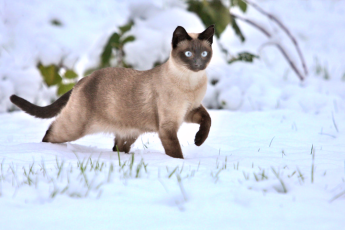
197, 70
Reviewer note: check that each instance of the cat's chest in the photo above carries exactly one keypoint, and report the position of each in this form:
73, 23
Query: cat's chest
195, 97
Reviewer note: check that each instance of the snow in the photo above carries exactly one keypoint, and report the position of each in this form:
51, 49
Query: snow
274, 158
27, 36
317, 26
246, 143
85, 27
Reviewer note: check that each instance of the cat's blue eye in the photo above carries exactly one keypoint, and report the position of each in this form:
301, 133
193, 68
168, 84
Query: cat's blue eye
204, 54
188, 53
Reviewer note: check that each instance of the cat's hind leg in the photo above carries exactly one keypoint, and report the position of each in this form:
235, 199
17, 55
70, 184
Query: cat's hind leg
65, 128
123, 144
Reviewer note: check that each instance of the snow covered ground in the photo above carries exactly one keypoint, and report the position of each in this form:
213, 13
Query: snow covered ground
275, 162
227, 183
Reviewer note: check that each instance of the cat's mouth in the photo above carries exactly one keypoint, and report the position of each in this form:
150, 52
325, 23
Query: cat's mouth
197, 68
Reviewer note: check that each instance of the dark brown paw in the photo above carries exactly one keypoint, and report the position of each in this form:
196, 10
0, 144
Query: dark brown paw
200, 137
176, 154
174, 151
124, 149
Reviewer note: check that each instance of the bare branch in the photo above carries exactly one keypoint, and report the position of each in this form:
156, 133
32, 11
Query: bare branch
287, 57
284, 28
262, 29
269, 35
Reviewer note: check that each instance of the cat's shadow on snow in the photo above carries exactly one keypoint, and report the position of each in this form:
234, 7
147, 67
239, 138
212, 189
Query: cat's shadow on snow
85, 151
74, 149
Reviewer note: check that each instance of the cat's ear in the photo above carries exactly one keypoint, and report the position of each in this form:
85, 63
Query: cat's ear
207, 34
179, 35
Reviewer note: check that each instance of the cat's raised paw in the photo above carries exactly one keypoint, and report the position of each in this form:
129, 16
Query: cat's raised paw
200, 137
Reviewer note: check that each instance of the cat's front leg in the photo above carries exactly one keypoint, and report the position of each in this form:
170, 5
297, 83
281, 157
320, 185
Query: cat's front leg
168, 135
200, 116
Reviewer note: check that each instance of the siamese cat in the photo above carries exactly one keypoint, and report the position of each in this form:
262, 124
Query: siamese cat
128, 102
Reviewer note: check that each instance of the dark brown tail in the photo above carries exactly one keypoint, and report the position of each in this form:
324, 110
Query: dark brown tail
48, 111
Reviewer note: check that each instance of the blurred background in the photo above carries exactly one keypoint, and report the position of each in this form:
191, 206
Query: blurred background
268, 54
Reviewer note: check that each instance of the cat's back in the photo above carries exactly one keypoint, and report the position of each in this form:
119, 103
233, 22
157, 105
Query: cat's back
114, 78
124, 95
114, 75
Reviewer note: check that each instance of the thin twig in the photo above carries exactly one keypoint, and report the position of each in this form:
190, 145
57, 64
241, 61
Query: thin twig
271, 141
335, 124
292, 64
337, 196
262, 29
269, 35
284, 28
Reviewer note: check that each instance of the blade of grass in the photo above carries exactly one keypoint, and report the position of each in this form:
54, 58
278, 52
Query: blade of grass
271, 141
172, 173
118, 154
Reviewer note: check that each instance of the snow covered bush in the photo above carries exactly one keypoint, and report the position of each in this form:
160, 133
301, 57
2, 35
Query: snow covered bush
76, 37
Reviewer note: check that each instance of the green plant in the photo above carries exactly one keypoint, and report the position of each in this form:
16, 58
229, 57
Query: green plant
65, 79
83, 179
218, 13
56, 22
113, 49
284, 190
52, 76
215, 12
321, 70
312, 165
243, 56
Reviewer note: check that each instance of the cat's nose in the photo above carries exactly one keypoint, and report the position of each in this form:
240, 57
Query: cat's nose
197, 63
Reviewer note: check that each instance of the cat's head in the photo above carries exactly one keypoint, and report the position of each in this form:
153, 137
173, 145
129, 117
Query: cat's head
192, 50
